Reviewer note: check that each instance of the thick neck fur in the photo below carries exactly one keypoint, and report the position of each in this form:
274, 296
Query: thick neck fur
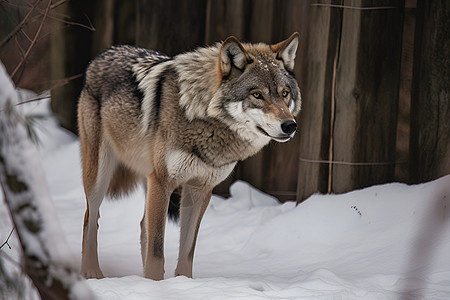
214, 143
199, 81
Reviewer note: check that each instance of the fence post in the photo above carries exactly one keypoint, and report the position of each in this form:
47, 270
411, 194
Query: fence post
367, 87
317, 81
430, 108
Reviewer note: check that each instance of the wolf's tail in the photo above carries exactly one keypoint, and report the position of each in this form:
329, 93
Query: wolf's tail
123, 181
174, 205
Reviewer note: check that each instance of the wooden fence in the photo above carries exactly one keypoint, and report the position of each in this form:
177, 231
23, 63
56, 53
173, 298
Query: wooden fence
361, 122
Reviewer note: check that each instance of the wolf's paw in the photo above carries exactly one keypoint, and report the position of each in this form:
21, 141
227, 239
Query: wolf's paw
92, 273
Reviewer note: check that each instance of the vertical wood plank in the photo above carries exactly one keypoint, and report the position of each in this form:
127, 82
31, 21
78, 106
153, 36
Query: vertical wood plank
224, 18
367, 94
430, 107
125, 23
404, 106
171, 26
70, 54
260, 21
104, 25
324, 30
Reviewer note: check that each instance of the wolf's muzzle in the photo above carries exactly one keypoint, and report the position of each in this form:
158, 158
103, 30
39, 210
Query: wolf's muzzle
289, 127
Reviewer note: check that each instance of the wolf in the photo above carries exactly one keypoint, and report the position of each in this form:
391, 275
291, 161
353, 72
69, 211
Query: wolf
182, 121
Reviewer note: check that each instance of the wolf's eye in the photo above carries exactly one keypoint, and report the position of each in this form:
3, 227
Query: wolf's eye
257, 95
284, 94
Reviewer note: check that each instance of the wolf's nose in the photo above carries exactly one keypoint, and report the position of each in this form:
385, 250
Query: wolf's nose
289, 127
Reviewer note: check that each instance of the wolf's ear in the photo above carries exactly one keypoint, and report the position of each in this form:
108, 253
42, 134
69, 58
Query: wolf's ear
232, 54
286, 50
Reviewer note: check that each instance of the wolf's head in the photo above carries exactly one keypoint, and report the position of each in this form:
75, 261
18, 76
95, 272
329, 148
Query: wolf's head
258, 89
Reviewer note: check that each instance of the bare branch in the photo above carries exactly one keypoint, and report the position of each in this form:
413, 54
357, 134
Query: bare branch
90, 26
60, 83
20, 26
64, 81
26, 20
62, 20
34, 39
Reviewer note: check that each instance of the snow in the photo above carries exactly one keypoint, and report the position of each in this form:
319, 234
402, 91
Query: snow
34, 213
389, 241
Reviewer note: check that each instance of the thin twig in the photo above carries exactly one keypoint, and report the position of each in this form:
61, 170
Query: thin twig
25, 20
34, 39
64, 81
22, 54
347, 163
7, 240
33, 7
61, 82
50, 16
20, 26
26, 35
90, 26
33, 100
353, 7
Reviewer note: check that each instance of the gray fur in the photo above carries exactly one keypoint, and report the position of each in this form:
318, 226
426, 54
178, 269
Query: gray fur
178, 121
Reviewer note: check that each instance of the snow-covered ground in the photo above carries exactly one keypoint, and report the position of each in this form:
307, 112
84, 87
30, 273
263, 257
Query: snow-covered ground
384, 242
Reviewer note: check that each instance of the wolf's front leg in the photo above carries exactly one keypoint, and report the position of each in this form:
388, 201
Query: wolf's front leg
194, 202
153, 226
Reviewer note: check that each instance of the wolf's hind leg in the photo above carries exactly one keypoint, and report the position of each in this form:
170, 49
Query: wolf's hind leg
143, 232
194, 202
96, 184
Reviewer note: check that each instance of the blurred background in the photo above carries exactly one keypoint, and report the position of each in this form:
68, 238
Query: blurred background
374, 76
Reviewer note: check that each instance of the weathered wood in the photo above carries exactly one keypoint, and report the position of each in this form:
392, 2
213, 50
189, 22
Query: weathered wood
171, 26
367, 84
224, 18
430, 108
404, 105
71, 52
317, 79
125, 22
103, 37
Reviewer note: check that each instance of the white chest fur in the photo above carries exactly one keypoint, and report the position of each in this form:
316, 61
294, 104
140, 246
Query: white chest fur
183, 167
